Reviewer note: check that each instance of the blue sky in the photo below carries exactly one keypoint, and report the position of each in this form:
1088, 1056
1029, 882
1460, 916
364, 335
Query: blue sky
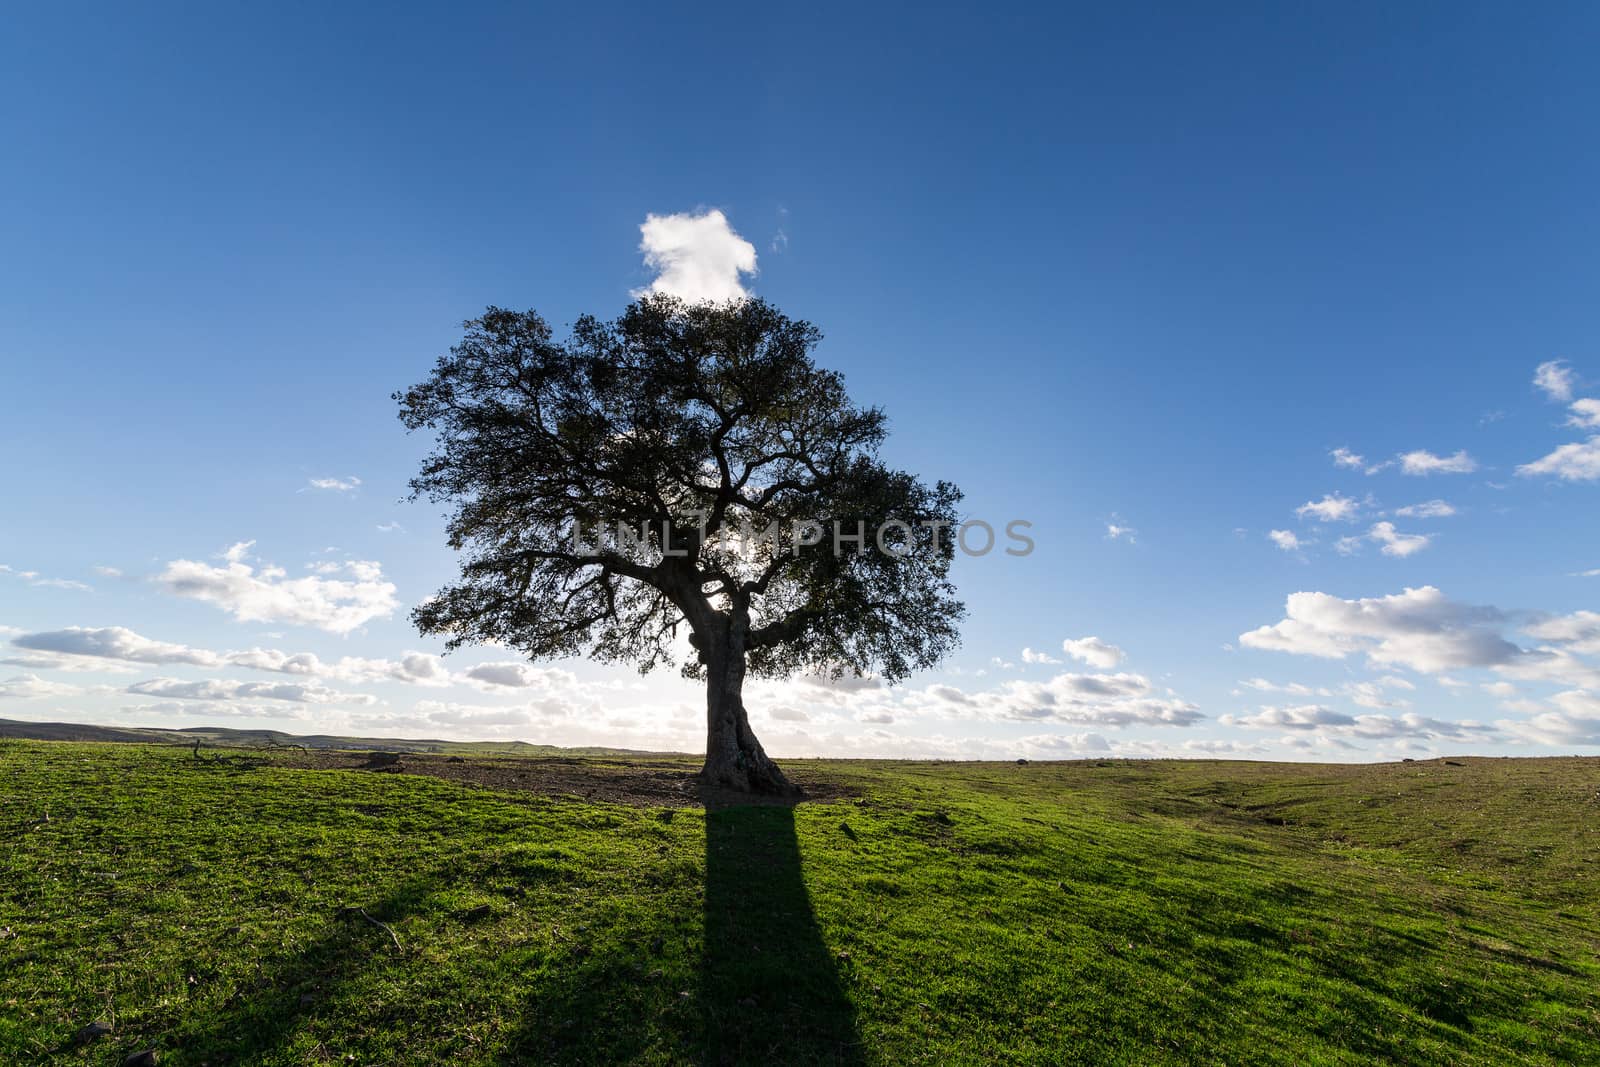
1136, 269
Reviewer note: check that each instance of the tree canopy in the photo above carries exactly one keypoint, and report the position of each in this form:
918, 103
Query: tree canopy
737, 471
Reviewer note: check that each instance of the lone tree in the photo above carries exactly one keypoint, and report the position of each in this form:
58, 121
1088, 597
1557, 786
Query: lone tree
684, 466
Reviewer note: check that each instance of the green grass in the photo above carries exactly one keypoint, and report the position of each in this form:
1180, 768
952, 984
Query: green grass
1150, 912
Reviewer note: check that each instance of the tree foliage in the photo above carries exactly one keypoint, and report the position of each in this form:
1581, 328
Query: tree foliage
707, 428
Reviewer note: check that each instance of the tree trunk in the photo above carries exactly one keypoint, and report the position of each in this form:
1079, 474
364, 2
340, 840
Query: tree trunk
735, 760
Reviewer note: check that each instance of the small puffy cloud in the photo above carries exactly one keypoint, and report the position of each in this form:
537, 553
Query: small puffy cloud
335, 485
1396, 543
1343, 457
1333, 507
1422, 463
1118, 532
1093, 651
1585, 414
1030, 656
697, 257
512, 674
217, 690
1575, 462
1286, 540
1555, 380
1432, 509
337, 604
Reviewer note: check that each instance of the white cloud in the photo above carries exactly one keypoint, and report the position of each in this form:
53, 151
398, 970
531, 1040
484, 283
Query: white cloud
1118, 532
1571, 462
1372, 695
698, 257
1030, 656
1396, 543
1334, 724
217, 690
1343, 457
1294, 688
845, 682
1555, 379
114, 642
1121, 699
79, 647
1333, 507
1585, 414
34, 578
1553, 665
511, 674
1580, 631
337, 485
1093, 651
1286, 540
458, 716
1433, 509
412, 668
1576, 723
1422, 463
268, 594
220, 708
1299, 717
1420, 628
32, 687
1423, 630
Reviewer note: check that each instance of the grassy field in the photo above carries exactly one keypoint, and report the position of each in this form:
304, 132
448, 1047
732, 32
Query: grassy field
1112, 912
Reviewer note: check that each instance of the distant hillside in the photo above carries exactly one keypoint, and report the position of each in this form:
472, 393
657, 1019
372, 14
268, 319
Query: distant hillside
227, 738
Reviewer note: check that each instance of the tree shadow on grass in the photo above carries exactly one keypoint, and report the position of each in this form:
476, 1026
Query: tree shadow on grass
771, 991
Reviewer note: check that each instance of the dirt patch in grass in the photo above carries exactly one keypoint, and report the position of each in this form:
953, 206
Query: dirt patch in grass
654, 783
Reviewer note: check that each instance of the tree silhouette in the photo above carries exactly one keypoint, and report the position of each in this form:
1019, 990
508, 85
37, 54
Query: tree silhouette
685, 467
